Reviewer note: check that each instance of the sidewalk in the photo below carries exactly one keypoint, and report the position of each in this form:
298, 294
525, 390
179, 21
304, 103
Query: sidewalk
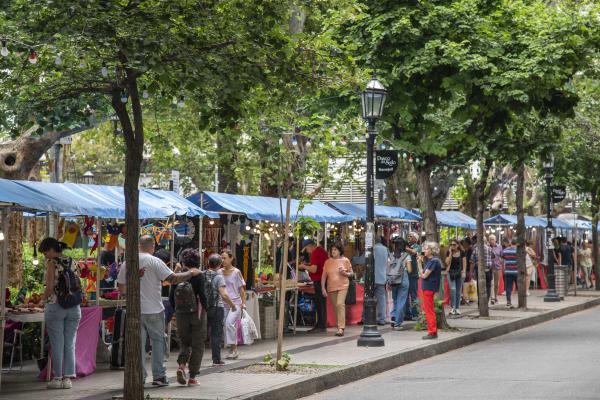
335, 360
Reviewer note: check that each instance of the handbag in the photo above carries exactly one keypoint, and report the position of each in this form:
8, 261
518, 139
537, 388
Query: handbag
351, 294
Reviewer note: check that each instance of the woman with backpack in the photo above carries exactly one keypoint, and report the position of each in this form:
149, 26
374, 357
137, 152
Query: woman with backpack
397, 278
335, 281
189, 301
457, 261
62, 312
236, 290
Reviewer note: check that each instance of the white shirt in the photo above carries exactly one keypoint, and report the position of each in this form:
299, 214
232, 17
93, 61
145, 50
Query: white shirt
150, 284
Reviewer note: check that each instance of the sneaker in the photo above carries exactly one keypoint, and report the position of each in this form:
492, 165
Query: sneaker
508, 305
181, 377
66, 383
493, 301
160, 382
233, 355
218, 363
430, 336
398, 328
193, 382
456, 311
55, 383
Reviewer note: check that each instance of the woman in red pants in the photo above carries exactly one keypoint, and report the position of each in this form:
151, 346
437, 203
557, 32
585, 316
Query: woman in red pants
430, 275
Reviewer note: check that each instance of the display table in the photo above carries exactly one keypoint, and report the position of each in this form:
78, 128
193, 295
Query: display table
85, 345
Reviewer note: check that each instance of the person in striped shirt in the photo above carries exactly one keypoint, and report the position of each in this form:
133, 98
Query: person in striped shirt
511, 269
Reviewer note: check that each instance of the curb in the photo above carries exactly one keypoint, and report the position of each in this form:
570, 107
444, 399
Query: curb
351, 373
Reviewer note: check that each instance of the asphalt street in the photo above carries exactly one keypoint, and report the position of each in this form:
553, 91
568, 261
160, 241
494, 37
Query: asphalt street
559, 359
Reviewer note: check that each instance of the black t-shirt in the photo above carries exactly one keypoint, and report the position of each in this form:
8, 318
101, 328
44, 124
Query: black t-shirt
565, 254
457, 262
198, 287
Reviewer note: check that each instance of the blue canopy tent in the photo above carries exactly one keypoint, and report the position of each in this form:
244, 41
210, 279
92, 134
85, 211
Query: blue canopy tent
262, 208
452, 219
530, 221
93, 200
455, 219
358, 211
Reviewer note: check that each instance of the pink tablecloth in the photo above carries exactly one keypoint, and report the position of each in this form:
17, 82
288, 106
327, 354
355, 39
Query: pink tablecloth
87, 341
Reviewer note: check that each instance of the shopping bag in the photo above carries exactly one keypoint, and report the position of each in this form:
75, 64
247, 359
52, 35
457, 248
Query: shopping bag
249, 332
351, 294
470, 290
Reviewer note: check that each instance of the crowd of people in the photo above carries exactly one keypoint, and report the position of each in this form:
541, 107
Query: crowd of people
209, 304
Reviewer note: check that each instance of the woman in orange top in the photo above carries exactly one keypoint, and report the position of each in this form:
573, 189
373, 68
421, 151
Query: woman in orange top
334, 282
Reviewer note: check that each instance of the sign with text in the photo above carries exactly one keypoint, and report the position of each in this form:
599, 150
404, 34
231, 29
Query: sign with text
386, 162
175, 180
558, 193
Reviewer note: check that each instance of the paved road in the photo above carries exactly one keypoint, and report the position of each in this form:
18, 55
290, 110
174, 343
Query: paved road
555, 360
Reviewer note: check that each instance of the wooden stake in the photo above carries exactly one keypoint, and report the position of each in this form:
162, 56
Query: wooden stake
283, 282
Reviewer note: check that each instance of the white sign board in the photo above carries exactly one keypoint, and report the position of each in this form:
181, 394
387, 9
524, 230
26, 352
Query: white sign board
175, 179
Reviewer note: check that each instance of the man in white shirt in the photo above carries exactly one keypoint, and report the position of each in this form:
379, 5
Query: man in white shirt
152, 272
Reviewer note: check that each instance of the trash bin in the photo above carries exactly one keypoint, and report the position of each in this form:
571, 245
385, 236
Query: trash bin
561, 279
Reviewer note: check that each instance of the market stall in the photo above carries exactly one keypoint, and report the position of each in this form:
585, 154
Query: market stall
99, 202
251, 225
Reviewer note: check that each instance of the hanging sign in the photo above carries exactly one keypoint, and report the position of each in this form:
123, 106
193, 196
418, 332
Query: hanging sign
175, 180
558, 193
386, 162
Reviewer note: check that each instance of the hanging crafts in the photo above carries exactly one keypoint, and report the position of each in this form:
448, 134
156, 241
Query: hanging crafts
88, 229
94, 241
71, 233
112, 238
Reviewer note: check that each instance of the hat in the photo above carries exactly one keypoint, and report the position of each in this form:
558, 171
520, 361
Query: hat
307, 242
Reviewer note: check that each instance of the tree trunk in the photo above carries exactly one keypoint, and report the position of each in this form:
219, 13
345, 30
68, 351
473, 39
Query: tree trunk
15, 250
226, 160
521, 236
18, 160
426, 201
134, 140
595, 253
481, 196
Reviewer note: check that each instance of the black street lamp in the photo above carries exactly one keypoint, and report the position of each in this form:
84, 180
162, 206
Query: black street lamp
551, 295
372, 99
88, 177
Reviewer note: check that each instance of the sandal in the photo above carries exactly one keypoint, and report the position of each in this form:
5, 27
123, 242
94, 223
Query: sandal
339, 333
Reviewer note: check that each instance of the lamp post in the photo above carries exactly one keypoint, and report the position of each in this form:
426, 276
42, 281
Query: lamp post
372, 99
88, 177
551, 295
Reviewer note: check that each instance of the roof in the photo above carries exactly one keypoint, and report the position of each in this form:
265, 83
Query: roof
261, 208
530, 221
358, 211
93, 200
453, 219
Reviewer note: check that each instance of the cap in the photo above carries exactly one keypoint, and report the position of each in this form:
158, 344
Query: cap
307, 242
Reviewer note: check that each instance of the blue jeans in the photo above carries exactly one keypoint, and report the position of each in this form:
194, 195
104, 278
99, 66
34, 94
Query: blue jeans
455, 291
400, 294
509, 279
381, 296
62, 324
153, 325
411, 310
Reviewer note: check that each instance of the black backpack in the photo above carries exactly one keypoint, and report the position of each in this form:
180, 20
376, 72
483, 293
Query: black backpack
185, 298
212, 293
68, 286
